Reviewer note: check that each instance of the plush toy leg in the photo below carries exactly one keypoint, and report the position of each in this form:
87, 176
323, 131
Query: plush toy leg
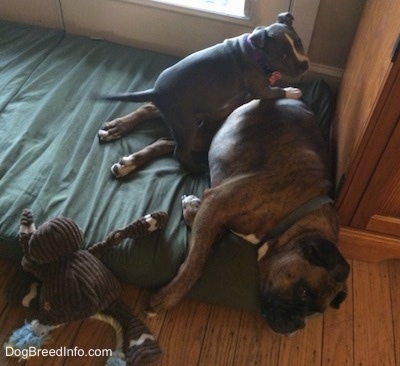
23, 289
140, 346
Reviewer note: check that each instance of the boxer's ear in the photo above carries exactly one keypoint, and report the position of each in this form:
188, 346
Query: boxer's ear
259, 37
324, 253
285, 18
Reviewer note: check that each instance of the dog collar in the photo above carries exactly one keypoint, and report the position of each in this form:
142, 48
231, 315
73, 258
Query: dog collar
292, 218
257, 56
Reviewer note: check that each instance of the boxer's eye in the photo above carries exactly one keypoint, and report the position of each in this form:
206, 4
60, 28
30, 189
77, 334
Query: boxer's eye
302, 293
283, 56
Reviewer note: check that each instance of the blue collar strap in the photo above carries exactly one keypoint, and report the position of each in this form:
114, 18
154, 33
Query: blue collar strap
294, 216
257, 56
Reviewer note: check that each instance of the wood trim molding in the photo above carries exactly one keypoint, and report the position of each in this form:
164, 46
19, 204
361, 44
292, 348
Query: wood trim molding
384, 224
326, 70
367, 245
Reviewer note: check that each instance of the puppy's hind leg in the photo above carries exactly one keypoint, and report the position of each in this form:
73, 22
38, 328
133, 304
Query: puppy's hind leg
140, 158
184, 135
120, 127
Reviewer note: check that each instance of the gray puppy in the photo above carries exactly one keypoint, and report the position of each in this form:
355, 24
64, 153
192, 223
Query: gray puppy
211, 83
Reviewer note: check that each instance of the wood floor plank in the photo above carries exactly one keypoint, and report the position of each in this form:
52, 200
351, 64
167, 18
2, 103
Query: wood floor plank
153, 323
7, 272
182, 333
373, 329
257, 345
60, 338
364, 331
338, 336
222, 334
11, 319
93, 335
305, 346
394, 272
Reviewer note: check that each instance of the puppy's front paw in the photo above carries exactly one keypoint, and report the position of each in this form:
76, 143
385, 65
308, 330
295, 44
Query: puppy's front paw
293, 93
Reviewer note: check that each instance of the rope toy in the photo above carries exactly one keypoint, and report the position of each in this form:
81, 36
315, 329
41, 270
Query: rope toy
63, 282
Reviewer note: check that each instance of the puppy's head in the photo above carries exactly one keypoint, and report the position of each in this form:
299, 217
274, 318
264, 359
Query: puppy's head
281, 47
300, 279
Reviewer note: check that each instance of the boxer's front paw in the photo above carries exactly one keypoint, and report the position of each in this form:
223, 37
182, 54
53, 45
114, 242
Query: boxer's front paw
124, 167
114, 129
190, 205
160, 301
154, 306
293, 93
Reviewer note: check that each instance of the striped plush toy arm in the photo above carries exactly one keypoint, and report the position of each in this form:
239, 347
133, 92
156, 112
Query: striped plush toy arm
135, 230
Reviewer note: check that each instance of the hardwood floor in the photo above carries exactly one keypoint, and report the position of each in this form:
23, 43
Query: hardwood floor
364, 331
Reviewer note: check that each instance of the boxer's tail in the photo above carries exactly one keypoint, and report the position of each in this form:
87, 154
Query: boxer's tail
143, 96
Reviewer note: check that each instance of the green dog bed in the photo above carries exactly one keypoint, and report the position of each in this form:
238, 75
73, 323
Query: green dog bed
53, 163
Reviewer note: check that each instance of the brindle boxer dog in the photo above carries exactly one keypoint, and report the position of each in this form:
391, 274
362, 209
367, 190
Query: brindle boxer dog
270, 184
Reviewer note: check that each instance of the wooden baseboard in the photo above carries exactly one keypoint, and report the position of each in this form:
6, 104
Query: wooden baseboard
326, 70
368, 246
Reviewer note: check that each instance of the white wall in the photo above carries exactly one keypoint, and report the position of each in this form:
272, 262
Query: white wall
158, 29
45, 13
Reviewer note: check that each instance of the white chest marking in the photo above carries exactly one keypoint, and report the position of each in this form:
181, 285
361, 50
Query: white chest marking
251, 238
262, 250
300, 57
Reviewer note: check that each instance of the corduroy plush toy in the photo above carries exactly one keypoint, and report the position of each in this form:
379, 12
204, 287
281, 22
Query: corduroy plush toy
63, 283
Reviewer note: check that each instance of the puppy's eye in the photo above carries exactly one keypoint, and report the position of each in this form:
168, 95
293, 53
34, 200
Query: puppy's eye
283, 56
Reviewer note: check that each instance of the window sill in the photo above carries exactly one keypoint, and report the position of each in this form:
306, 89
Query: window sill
211, 13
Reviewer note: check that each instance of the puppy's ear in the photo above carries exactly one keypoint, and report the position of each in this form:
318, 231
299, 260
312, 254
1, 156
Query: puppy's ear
339, 298
285, 18
324, 253
259, 37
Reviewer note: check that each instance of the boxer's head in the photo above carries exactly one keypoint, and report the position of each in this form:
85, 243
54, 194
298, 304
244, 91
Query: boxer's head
300, 279
280, 48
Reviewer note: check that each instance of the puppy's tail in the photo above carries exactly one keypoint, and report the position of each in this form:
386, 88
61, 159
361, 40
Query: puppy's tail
143, 96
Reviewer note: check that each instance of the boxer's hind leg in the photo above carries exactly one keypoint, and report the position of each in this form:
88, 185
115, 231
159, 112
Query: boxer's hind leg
121, 126
132, 162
